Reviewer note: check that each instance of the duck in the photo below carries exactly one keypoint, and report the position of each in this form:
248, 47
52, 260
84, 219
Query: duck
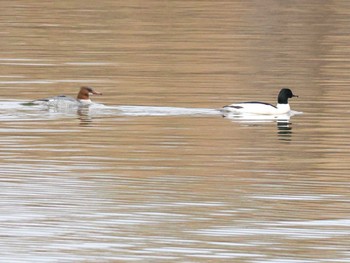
262, 108
83, 98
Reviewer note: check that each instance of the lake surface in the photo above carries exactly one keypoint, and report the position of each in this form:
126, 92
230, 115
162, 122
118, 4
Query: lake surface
153, 172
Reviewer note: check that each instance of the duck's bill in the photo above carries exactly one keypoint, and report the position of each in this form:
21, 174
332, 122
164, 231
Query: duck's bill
94, 92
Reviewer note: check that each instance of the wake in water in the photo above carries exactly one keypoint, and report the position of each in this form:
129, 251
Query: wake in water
161, 111
14, 110
18, 110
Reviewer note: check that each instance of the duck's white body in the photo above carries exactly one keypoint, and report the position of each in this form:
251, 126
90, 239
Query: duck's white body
257, 108
261, 108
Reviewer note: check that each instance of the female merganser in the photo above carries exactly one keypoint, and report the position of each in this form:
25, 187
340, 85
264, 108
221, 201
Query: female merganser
255, 107
83, 98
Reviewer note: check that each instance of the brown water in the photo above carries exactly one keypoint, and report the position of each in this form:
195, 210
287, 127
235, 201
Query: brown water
155, 174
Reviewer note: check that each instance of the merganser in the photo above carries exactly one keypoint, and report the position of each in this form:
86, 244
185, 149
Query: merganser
254, 107
83, 98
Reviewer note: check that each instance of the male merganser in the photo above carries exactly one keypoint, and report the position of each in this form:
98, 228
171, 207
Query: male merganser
255, 107
83, 98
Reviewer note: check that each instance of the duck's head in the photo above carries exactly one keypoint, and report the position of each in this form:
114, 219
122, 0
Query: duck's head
85, 92
284, 95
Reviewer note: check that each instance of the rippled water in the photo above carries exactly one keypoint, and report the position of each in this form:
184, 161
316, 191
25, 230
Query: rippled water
152, 172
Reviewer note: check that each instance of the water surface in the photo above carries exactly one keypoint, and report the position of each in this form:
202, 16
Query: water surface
155, 173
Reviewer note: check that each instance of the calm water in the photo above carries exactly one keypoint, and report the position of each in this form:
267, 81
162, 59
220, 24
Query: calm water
153, 173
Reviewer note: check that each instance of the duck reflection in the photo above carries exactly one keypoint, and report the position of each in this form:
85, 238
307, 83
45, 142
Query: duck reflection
283, 122
284, 130
84, 115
